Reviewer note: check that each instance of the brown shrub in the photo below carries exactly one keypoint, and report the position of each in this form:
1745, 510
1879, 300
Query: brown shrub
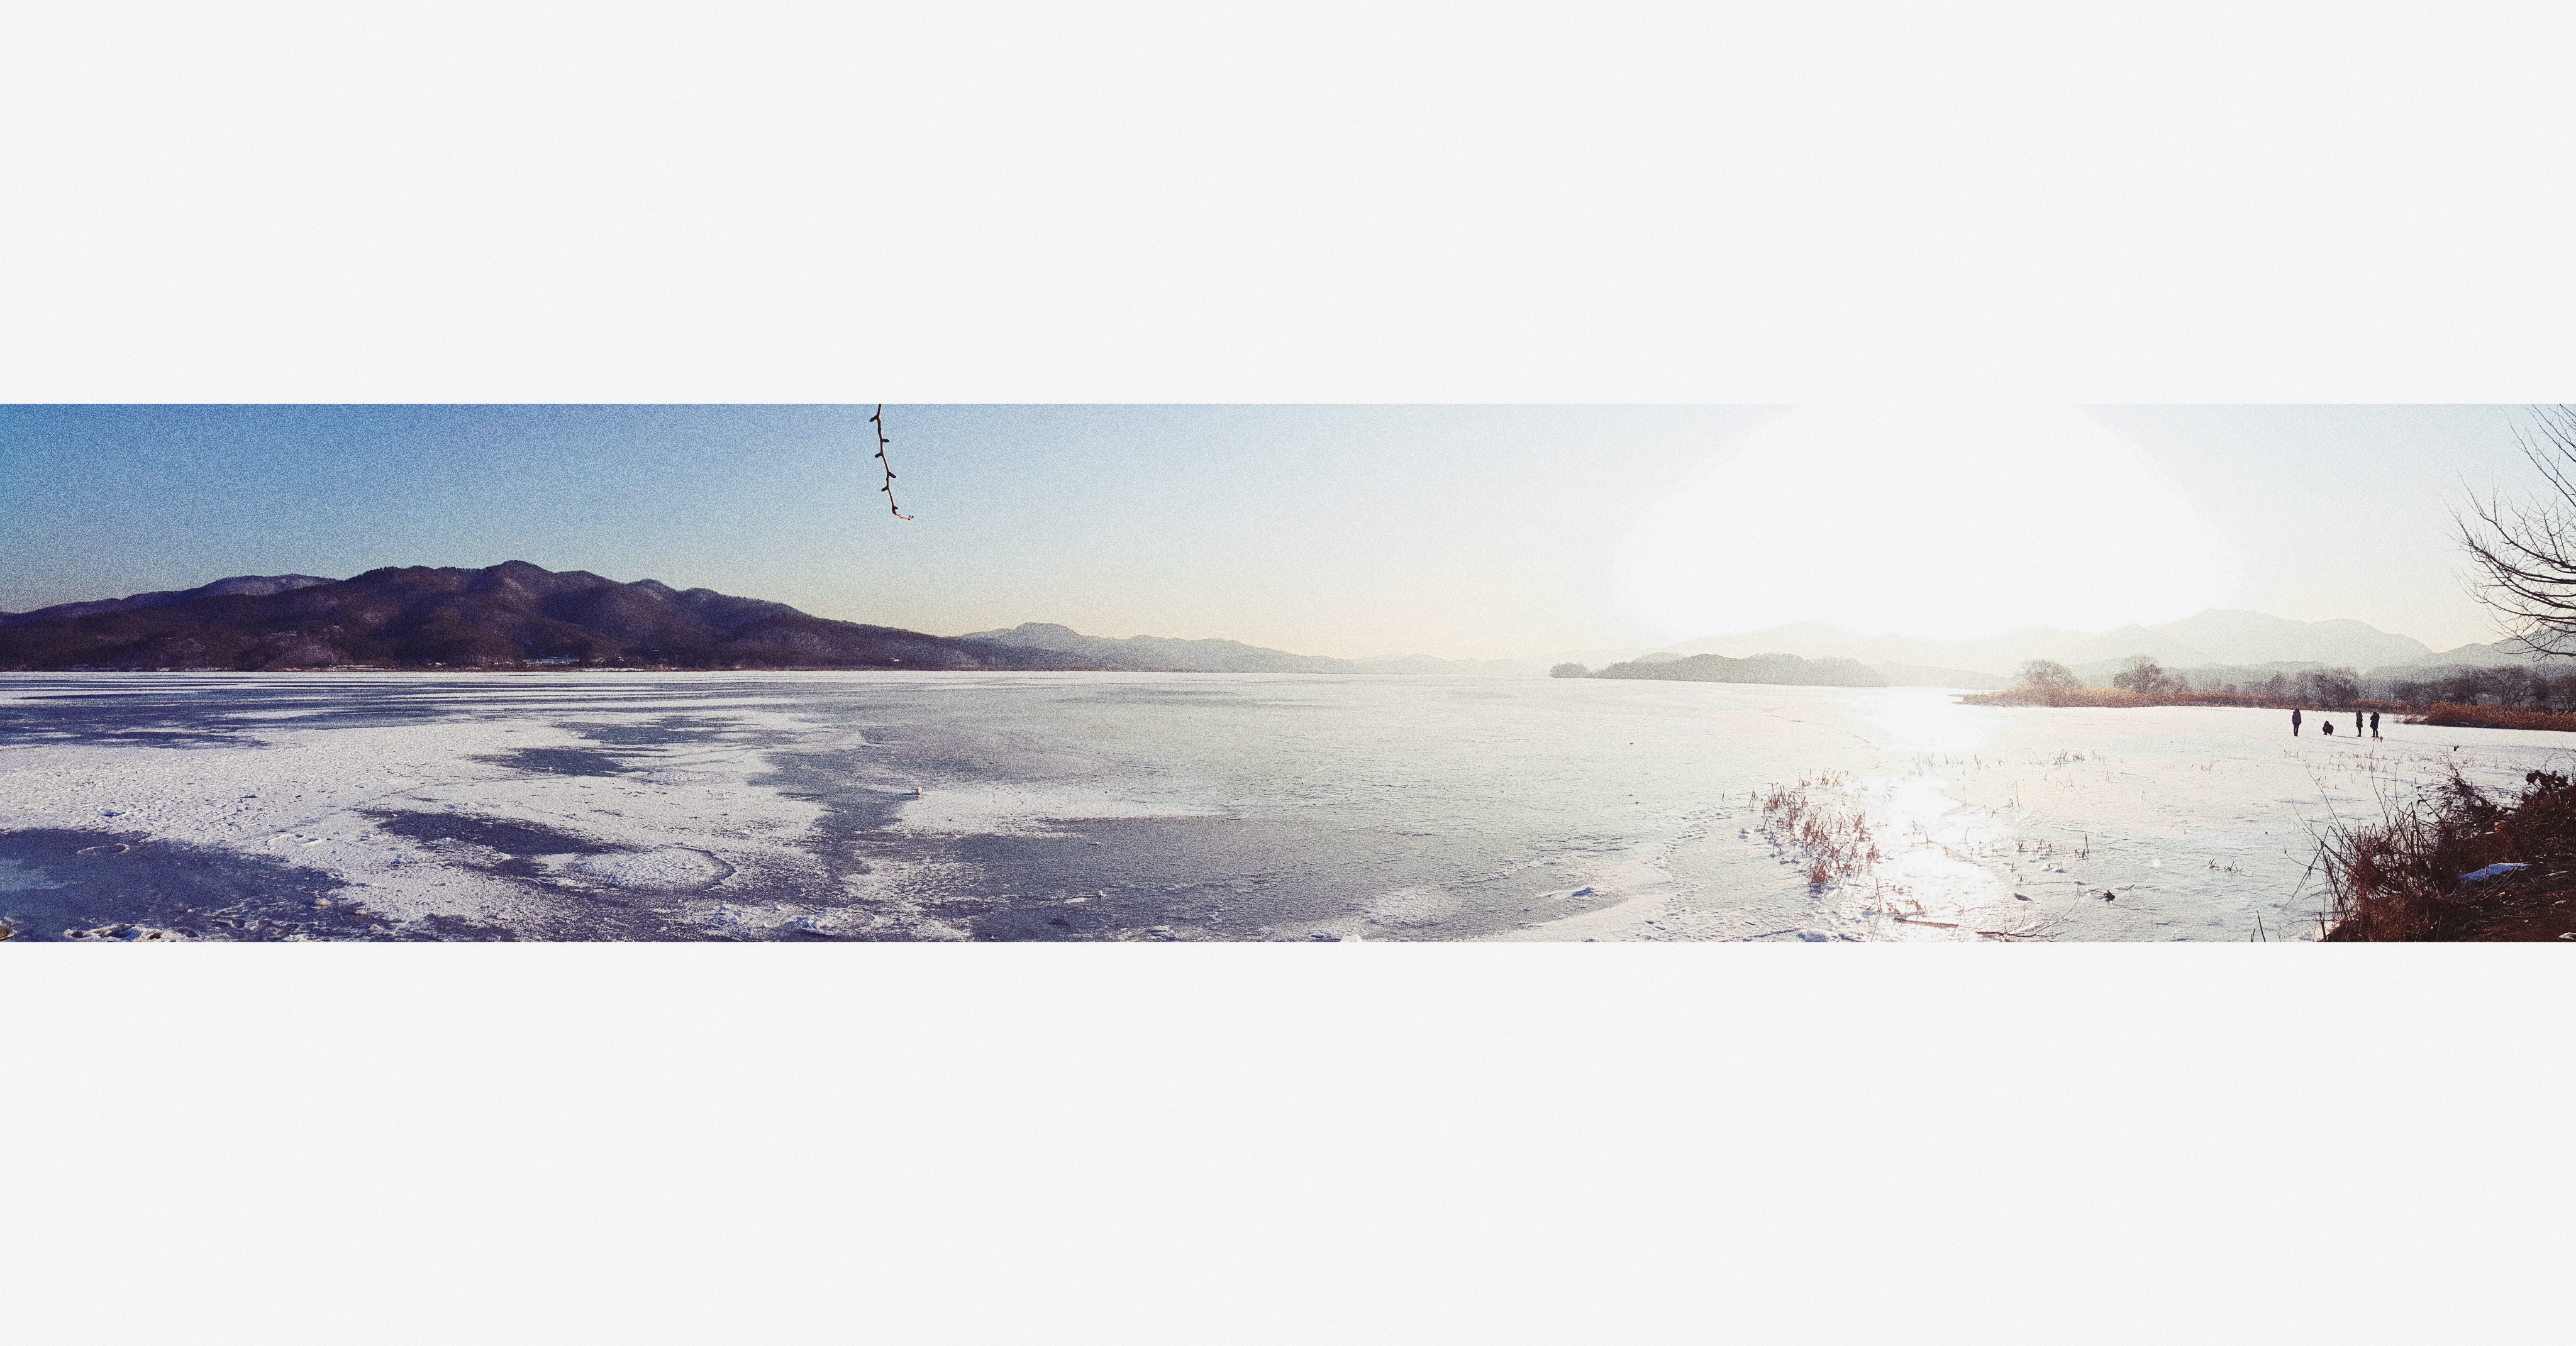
2451, 714
2400, 878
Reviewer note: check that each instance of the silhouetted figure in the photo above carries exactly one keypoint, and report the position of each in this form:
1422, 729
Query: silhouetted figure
2356, 723
2374, 724
2294, 722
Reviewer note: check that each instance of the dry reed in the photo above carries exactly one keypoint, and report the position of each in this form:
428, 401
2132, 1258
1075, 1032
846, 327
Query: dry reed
2451, 714
2401, 878
1836, 842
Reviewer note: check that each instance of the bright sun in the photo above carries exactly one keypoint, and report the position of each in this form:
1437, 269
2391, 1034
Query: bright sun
1934, 523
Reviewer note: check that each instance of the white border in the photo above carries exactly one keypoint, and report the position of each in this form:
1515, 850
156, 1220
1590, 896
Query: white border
1336, 203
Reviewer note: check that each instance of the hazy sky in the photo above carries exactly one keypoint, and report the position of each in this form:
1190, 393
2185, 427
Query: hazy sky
1353, 530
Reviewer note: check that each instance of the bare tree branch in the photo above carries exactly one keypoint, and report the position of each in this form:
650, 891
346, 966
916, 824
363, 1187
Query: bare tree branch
2524, 555
878, 421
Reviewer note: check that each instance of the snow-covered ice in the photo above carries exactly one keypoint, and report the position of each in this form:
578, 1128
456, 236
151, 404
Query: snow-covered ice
1179, 807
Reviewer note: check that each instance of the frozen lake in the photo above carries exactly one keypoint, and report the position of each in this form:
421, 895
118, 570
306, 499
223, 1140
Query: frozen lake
1153, 806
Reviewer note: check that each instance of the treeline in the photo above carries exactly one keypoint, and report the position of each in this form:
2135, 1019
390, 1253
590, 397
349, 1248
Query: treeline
1784, 669
2510, 686
2507, 686
2460, 697
2143, 682
2147, 678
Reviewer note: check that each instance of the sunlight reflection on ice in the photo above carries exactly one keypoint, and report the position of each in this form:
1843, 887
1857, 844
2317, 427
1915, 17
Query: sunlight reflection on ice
1930, 885
1926, 719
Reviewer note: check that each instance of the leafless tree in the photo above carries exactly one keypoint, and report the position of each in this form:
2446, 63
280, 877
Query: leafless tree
2143, 675
2525, 551
2051, 679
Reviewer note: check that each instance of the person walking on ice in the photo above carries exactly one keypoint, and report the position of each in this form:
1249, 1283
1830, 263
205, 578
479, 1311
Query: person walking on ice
2356, 724
2294, 722
2374, 724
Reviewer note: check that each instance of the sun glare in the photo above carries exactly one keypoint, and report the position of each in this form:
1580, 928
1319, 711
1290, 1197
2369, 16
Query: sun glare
1934, 523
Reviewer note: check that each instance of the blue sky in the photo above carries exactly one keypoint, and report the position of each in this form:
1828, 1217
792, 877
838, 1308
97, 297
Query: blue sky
1355, 530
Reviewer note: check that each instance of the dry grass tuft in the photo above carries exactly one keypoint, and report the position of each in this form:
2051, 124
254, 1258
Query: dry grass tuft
2399, 878
1836, 841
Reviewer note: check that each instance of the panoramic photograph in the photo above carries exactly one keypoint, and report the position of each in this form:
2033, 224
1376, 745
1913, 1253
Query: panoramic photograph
1179, 673
1287, 676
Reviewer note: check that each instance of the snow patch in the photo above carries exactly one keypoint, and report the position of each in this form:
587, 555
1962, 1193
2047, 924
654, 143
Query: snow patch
669, 870
1411, 908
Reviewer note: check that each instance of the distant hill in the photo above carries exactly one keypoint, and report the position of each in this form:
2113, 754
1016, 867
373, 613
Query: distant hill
516, 614
2216, 638
1785, 669
1168, 654
2497, 655
251, 585
500, 616
2227, 636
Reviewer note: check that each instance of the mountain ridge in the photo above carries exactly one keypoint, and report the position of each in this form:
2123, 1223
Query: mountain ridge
2214, 637
516, 613
251, 585
508, 615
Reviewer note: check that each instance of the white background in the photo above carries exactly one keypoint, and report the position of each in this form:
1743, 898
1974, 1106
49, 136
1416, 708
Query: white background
1308, 204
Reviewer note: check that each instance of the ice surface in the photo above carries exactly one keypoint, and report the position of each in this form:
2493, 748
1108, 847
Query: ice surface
1157, 807
1006, 811
671, 868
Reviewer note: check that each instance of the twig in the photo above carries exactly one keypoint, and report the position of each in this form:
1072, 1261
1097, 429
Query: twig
878, 421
